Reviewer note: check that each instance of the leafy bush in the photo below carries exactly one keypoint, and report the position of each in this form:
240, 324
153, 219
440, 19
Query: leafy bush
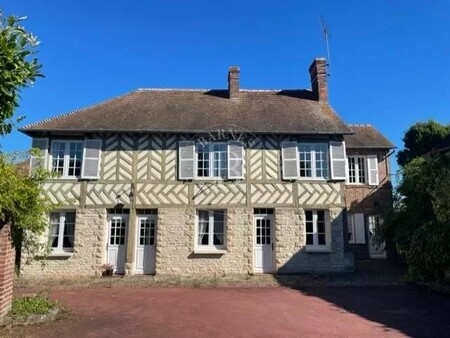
420, 222
31, 305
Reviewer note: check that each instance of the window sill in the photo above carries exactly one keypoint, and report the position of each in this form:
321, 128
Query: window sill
61, 254
318, 250
209, 251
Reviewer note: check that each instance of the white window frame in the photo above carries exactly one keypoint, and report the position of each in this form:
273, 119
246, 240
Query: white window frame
65, 174
357, 177
211, 162
62, 222
313, 161
372, 220
316, 247
210, 248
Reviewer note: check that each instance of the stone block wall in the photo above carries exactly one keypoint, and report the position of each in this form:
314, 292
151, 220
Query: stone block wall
89, 249
176, 241
7, 254
291, 255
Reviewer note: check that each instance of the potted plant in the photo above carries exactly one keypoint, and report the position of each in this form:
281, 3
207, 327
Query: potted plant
107, 269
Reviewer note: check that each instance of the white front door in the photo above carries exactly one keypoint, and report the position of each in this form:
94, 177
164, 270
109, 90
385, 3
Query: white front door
263, 244
375, 250
117, 236
145, 248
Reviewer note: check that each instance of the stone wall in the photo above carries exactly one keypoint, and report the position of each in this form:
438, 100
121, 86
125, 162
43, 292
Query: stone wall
291, 255
7, 254
176, 241
88, 254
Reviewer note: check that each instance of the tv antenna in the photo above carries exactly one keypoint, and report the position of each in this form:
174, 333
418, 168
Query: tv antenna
326, 35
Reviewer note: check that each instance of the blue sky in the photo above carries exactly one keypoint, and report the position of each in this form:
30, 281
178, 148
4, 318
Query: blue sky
390, 58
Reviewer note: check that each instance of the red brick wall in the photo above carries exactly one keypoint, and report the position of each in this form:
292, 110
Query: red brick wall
369, 199
7, 255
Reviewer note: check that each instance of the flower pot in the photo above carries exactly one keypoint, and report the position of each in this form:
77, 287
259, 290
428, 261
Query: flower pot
107, 273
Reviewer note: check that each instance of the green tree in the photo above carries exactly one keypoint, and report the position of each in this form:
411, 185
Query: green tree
18, 69
421, 138
420, 222
22, 203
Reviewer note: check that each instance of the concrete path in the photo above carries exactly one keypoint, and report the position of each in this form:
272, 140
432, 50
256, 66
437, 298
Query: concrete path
389, 311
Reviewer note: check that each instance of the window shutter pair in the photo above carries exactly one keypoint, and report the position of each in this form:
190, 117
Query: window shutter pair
91, 157
186, 163
289, 154
40, 158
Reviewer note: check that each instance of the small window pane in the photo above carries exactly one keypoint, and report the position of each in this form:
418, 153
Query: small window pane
321, 238
309, 239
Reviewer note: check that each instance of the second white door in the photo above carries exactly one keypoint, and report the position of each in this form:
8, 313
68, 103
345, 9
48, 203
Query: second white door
145, 248
263, 244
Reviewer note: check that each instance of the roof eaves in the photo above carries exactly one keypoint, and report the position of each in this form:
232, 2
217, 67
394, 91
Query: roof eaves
26, 127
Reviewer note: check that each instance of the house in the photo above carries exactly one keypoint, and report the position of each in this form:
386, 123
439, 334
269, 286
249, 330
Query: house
368, 191
184, 182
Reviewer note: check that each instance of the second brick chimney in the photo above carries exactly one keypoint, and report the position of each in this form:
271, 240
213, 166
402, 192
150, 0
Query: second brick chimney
318, 72
233, 82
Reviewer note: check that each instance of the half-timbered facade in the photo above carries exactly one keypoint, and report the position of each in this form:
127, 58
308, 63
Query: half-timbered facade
187, 182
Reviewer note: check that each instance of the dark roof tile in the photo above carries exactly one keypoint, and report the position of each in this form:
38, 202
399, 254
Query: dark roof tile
174, 110
366, 136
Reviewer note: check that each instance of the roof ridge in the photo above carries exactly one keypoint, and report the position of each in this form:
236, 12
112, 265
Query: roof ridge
359, 125
224, 89
77, 110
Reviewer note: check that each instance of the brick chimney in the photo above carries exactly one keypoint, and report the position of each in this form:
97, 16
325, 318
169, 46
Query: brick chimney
233, 82
318, 72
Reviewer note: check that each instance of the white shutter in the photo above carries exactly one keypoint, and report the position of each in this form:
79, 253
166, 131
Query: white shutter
186, 160
91, 158
235, 160
360, 233
372, 165
39, 159
351, 228
337, 155
289, 154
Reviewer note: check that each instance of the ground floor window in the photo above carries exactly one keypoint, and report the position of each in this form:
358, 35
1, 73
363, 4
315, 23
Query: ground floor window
62, 230
211, 228
317, 229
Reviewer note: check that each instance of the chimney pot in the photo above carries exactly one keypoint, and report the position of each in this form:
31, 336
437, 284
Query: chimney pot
233, 82
318, 73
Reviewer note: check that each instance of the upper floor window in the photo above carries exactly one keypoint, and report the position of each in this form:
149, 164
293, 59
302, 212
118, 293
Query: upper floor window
67, 158
356, 170
212, 160
62, 230
313, 159
362, 170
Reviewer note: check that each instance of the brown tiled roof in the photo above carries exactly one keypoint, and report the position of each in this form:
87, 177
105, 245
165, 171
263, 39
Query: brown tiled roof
171, 110
366, 136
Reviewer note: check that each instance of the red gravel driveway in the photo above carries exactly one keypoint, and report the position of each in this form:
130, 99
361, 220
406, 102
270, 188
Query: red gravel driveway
249, 312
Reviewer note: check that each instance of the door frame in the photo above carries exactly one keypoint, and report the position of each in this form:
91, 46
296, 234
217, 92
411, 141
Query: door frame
138, 218
108, 238
271, 217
